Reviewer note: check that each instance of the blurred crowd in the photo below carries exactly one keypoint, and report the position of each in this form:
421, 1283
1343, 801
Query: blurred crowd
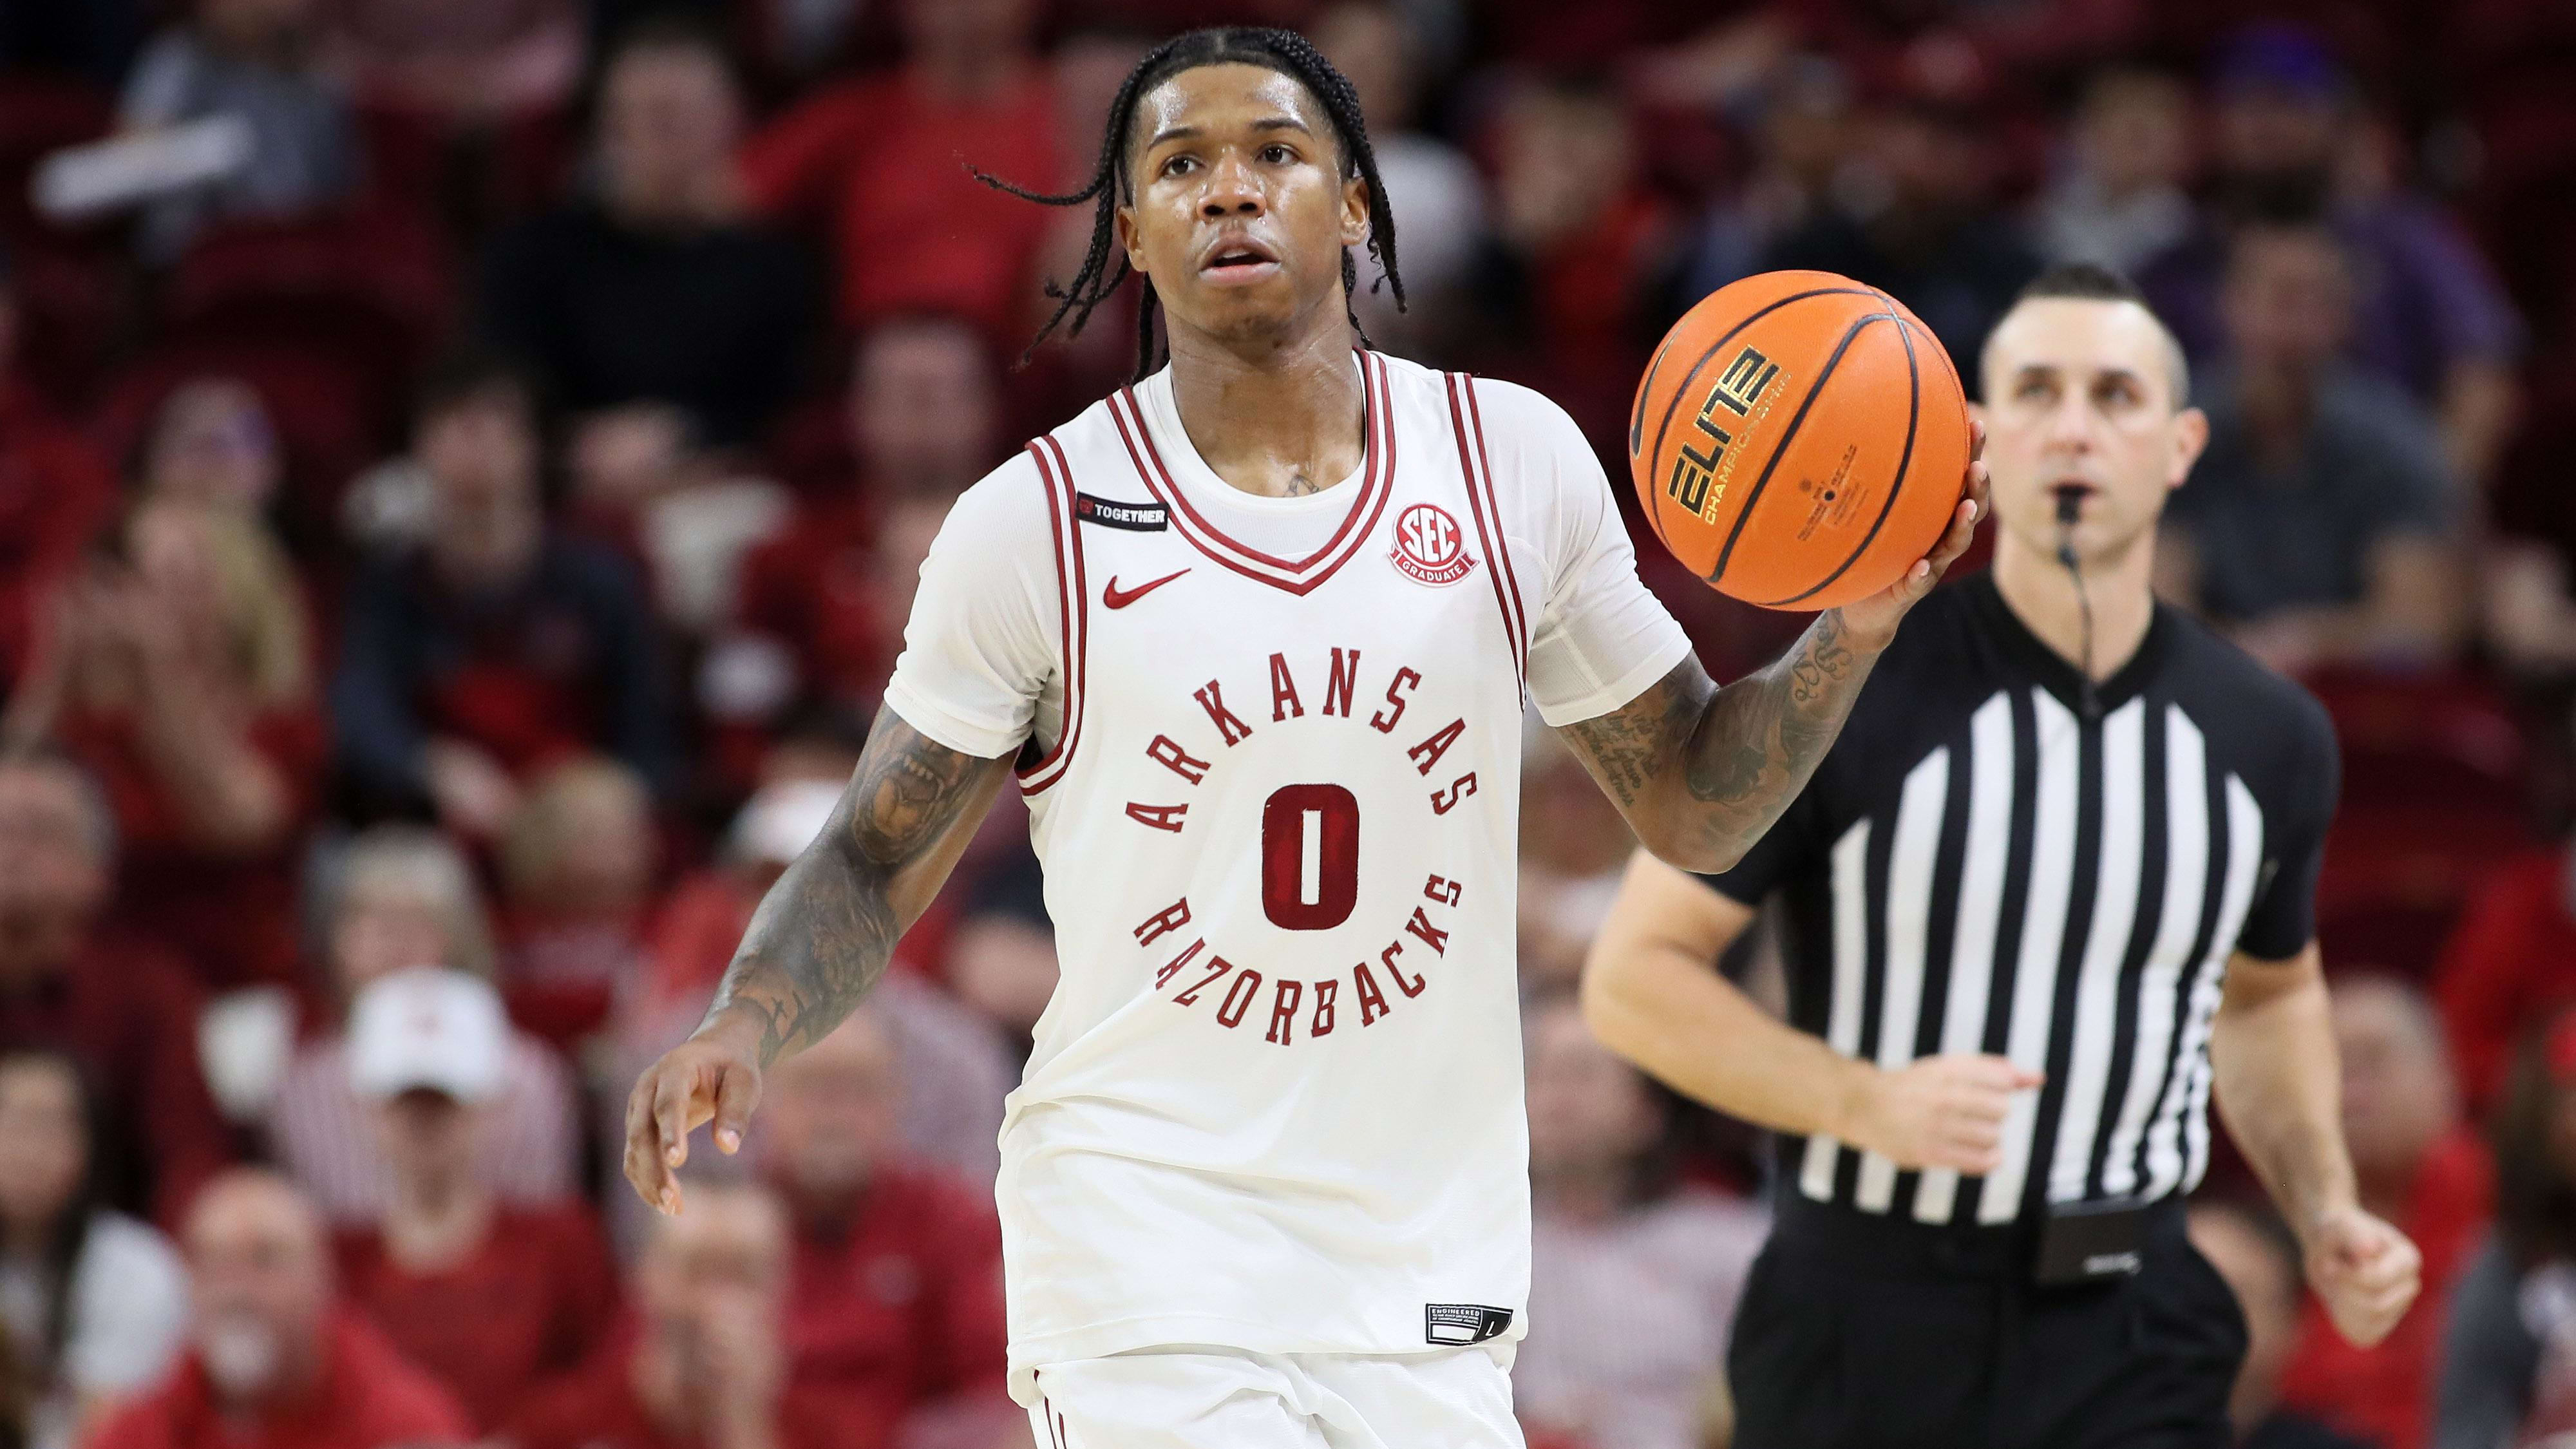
463, 469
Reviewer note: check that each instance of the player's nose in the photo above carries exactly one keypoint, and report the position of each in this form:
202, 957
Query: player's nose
1233, 189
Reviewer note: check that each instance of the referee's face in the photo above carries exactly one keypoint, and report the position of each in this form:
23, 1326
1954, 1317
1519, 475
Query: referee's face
2081, 398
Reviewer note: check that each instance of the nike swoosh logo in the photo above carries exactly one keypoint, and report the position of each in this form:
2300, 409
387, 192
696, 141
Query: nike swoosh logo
1118, 598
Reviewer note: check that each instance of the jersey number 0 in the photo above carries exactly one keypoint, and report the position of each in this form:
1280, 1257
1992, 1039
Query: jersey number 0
1310, 857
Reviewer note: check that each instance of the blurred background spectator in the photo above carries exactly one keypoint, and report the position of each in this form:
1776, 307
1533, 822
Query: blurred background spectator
2320, 524
2419, 1166
894, 1309
125, 1010
93, 1304
705, 1362
257, 62
177, 668
657, 286
530, 442
494, 645
491, 1298
1633, 1282
276, 1360
2508, 1376
404, 898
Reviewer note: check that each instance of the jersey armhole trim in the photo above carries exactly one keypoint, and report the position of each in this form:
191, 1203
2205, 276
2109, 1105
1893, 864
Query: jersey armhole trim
1073, 606
1466, 421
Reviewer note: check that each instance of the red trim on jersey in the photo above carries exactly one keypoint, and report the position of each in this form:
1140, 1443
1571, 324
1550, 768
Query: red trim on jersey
1073, 603
1482, 499
1301, 576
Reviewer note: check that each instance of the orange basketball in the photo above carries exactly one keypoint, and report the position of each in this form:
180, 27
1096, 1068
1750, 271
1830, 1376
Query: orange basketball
1799, 440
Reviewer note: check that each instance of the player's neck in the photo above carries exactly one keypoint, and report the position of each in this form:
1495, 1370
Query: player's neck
2038, 590
1273, 418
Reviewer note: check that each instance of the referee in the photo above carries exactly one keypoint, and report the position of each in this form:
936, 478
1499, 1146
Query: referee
2049, 889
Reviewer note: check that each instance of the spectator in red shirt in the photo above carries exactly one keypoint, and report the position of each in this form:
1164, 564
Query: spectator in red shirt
277, 1362
577, 867
878, 161
2419, 1167
489, 1297
498, 646
820, 607
703, 1366
177, 667
55, 492
2511, 961
896, 1309
127, 1009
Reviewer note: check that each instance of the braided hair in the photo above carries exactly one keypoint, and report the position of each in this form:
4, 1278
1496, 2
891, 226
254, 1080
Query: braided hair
1104, 267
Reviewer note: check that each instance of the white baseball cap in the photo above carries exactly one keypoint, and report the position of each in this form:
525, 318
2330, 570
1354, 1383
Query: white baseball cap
431, 1027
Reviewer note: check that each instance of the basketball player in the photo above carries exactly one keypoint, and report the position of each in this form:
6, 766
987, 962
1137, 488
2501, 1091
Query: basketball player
1253, 637
2051, 887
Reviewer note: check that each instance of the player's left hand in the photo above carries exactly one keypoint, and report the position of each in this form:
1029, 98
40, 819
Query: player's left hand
1871, 623
2364, 1271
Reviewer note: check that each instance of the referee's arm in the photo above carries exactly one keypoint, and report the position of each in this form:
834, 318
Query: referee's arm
1651, 994
2278, 1085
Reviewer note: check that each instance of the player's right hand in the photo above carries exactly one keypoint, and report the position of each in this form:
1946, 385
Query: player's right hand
1939, 1112
711, 1077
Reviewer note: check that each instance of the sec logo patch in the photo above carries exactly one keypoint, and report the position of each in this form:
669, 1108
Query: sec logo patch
1429, 546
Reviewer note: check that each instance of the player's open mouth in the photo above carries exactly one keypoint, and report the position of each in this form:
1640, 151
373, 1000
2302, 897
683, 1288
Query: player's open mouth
1237, 262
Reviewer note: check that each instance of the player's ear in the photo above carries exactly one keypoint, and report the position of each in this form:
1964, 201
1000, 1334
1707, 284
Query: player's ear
2190, 435
1127, 239
1355, 211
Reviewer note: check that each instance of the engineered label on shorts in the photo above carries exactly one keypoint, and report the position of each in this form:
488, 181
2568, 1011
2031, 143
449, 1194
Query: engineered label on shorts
1462, 1323
1108, 513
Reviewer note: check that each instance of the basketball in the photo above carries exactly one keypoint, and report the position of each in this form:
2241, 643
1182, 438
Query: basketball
1799, 440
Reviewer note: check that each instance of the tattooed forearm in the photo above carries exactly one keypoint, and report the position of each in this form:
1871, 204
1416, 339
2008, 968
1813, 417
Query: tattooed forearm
1700, 771
823, 934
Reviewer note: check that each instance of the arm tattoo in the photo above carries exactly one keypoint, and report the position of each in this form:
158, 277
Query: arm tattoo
1703, 771
823, 934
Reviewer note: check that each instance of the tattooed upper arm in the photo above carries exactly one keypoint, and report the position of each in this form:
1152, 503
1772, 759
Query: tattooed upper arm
1700, 771
824, 933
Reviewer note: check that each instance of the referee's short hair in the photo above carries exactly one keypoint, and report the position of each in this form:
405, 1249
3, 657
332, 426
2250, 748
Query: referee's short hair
2094, 282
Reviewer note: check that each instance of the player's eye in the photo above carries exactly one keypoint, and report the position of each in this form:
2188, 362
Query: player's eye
1277, 154
1175, 165
2034, 390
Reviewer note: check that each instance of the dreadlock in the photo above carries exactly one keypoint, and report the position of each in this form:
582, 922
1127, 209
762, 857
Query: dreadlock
1105, 268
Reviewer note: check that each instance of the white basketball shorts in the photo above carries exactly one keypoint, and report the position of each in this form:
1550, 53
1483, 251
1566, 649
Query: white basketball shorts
1194, 1397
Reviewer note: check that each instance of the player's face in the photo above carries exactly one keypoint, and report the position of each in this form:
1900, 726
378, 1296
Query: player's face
1239, 211
2080, 398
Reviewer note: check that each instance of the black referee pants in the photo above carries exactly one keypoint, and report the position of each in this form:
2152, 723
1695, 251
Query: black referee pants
1858, 1331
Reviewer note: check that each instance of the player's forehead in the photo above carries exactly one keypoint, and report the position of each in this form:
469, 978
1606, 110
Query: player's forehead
2079, 337
1225, 100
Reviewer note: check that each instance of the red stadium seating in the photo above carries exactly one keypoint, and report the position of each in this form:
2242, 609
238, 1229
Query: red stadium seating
2433, 796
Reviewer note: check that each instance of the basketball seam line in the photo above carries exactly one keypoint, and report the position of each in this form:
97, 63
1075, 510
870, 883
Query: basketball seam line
1664, 424
1789, 435
1904, 465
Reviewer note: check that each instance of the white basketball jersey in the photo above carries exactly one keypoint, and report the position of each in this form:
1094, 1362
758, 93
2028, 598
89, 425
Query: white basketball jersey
1271, 749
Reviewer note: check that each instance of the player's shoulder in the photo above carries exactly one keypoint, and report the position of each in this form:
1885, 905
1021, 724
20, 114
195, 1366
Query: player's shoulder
1506, 417
1007, 505
2254, 713
2215, 667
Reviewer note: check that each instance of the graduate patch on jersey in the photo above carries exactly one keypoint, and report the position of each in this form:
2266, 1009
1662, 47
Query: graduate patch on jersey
1109, 513
1462, 1323
1429, 546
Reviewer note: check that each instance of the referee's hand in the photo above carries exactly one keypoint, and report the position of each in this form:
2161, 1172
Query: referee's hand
1939, 1111
2364, 1271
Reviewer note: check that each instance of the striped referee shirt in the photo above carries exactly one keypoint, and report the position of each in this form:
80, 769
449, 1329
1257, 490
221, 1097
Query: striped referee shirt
1978, 866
